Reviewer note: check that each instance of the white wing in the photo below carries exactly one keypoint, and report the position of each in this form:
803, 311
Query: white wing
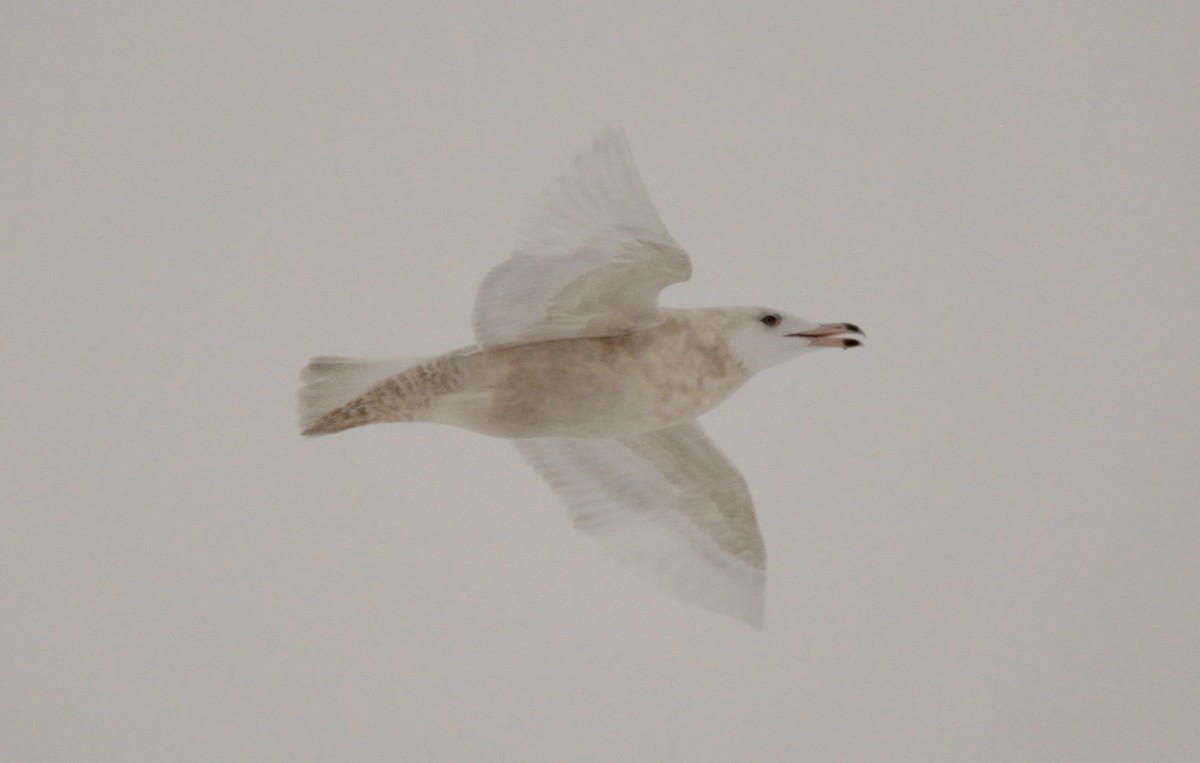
591, 257
670, 506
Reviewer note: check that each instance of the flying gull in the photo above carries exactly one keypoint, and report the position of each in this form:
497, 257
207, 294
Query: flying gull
597, 385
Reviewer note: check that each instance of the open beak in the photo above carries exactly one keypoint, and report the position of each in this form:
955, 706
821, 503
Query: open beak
829, 335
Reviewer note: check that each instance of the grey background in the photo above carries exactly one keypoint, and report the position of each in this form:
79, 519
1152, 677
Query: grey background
982, 526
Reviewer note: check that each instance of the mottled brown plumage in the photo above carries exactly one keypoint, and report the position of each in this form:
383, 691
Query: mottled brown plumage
593, 387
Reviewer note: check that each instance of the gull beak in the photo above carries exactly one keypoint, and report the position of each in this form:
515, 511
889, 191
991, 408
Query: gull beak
828, 335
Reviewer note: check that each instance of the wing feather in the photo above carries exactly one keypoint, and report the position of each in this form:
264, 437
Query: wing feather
669, 505
591, 257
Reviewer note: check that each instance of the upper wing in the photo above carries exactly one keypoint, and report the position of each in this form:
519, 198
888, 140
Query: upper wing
591, 257
669, 505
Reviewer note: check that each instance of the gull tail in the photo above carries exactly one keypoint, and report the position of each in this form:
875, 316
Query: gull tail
335, 396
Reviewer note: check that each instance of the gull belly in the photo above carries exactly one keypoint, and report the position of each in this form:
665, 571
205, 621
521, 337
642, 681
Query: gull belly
597, 386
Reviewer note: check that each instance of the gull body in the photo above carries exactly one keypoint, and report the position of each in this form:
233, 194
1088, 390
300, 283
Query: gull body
599, 386
591, 387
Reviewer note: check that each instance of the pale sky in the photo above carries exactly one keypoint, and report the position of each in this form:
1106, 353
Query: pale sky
982, 527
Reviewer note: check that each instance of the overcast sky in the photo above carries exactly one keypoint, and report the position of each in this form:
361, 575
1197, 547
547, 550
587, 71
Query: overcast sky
982, 527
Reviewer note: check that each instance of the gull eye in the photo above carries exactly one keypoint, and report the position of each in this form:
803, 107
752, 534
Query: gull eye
770, 319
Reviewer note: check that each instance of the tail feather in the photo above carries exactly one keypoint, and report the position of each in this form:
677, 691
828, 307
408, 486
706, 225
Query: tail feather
331, 382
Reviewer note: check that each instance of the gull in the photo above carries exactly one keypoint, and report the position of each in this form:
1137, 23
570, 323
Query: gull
599, 386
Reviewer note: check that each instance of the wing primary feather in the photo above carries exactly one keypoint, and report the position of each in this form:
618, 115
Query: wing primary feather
669, 506
591, 257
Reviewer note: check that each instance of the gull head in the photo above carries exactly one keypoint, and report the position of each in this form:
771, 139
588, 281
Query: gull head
761, 337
